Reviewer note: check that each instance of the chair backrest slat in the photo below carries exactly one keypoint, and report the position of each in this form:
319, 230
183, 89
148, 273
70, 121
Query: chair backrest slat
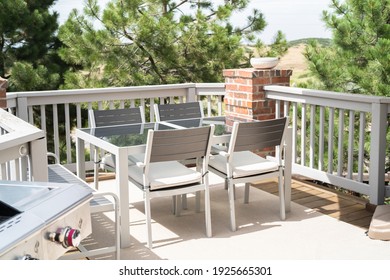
260, 135
189, 110
180, 144
116, 116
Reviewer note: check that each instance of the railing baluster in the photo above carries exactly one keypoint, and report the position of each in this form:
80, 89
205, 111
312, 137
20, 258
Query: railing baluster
151, 114
219, 104
31, 114
78, 115
312, 134
277, 109
55, 130
351, 143
294, 131
67, 134
340, 152
321, 138
43, 117
330, 140
209, 105
286, 105
303, 136
361, 146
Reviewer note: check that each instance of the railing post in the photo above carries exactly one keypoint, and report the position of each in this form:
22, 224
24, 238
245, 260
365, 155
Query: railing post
378, 153
21, 109
38, 153
191, 94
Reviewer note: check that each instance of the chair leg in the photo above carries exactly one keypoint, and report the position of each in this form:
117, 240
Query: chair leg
207, 207
96, 169
231, 205
197, 202
178, 206
246, 194
282, 196
184, 201
174, 204
148, 219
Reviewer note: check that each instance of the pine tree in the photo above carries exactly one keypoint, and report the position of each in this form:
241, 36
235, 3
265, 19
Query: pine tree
27, 57
359, 59
140, 42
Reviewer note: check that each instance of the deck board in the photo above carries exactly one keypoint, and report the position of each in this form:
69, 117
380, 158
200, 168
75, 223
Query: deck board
337, 205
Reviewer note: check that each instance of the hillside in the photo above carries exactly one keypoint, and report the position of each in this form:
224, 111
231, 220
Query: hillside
294, 60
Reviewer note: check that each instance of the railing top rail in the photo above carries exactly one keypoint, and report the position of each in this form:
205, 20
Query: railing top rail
328, 95
18, 131
101, 90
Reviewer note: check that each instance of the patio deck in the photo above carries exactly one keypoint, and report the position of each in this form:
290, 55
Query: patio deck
322, 224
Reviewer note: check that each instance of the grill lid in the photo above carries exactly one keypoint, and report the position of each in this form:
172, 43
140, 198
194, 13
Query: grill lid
28, 207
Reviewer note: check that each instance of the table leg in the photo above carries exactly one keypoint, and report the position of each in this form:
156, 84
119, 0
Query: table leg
122, 184
80, 158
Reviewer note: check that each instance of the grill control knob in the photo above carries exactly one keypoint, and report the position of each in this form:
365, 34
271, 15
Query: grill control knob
28, 258
67, 237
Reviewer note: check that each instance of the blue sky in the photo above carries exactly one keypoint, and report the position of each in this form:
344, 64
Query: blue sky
295, 18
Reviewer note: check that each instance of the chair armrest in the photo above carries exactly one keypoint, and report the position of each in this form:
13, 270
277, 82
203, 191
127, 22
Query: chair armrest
140, 164
224, 154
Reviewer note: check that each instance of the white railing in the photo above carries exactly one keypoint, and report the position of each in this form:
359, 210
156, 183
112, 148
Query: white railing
22, 150
58, 112
338, 138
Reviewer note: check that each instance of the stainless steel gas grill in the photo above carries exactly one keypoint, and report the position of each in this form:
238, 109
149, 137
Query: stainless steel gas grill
42, 220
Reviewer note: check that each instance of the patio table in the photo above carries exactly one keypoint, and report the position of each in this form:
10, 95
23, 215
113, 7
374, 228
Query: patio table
121, 141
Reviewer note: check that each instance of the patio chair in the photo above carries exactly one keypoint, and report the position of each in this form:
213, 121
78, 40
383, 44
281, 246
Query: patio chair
161, 173
177, 111
99, 118
241, 165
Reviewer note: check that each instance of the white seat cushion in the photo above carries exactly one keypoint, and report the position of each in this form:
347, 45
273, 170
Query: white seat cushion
244, 164
166, 174
108, 160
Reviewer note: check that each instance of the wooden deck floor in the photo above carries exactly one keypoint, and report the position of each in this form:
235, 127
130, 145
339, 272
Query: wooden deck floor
340, 206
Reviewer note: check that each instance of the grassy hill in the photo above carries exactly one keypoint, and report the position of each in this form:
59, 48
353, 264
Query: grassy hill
322, 41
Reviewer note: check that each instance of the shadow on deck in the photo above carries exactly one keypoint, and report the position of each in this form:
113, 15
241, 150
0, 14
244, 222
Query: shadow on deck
322, 224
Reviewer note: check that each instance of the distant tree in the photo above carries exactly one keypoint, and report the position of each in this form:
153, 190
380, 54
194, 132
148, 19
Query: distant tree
28, 45
135, 42
277, 48
359, 59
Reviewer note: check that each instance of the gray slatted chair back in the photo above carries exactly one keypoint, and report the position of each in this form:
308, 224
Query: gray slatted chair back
189, 110
180, 144
259, 135
116, 116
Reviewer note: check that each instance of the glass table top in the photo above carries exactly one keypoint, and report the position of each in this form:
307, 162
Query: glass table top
219, 122
125, 135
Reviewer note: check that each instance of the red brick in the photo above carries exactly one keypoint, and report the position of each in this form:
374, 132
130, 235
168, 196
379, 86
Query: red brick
240, 95
262, 81
231, 87
3, 103
229, 72
280, 80
244, 73
245, 88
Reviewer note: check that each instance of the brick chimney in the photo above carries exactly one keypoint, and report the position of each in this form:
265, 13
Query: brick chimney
3, 93
245, 96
